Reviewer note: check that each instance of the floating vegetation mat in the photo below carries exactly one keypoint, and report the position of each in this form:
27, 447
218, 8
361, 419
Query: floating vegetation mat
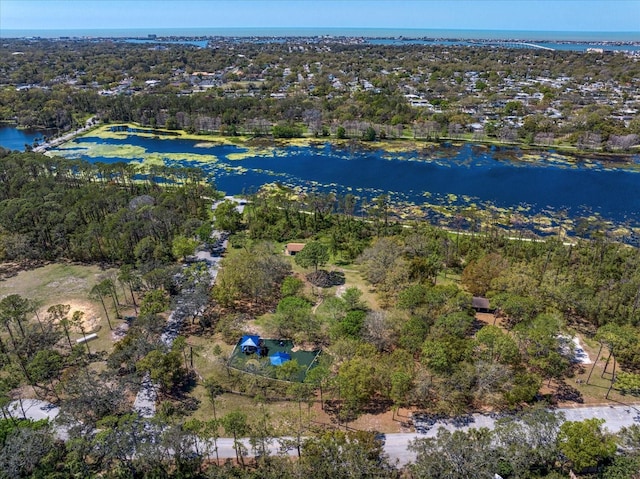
461, 186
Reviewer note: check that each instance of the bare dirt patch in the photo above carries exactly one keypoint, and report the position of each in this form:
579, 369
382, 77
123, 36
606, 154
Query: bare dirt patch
252, 328
62, 283
384, 422
491, 319
90, 318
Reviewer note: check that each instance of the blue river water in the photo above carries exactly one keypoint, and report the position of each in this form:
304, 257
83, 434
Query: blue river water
195, 43
13, 138
253, 32
449, 176
577, 46
558, 40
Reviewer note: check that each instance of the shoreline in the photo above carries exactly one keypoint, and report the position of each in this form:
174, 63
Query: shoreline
442, 211
395, 145
568, 36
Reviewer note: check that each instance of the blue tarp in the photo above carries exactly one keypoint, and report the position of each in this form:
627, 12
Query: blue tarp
249, 341
278, 359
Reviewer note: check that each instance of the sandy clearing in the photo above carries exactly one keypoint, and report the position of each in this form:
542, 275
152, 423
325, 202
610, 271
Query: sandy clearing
90, 319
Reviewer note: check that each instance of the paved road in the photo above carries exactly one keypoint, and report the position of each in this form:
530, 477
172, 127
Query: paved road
145, 401
64, 138
36, 410
616, 417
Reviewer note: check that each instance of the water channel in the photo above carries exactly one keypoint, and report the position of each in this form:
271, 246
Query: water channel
538, 191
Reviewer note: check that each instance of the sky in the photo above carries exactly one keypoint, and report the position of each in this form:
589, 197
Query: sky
543, 15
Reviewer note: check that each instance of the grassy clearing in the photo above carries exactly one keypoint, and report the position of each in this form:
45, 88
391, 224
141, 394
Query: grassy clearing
65, 283
54, 282
595, 392
446, 277
354, 279
352, 275
283, 416
209, 363
210, 353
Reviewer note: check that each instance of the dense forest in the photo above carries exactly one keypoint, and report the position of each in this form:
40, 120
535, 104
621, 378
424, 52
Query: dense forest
406, 336
52, 208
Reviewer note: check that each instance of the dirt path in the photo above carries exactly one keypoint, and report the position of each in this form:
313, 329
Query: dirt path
318, 304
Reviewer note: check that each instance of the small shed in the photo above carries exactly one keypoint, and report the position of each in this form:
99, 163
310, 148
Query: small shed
291, 249
481, 305
279, 358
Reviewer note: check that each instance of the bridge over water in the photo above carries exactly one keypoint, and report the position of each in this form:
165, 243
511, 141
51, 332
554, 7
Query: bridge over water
517, 45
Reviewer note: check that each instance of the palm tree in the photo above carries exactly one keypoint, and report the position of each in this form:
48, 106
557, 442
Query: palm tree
6, 319
34, 306
110, 288
213, 391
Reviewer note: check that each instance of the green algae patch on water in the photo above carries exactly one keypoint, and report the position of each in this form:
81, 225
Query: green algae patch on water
99, 150
553, 158
396, 146
190, 157
207, 141
239, 170
205, 144
124, 130
106, 132
212, 144
151, 160
252, 152
542, 221
129, 153
299, 142
410, 212
620, 232
279, 190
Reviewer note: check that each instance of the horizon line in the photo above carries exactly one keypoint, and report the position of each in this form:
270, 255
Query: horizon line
253, 27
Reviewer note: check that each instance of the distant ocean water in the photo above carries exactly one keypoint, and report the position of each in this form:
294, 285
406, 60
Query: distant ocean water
338, 32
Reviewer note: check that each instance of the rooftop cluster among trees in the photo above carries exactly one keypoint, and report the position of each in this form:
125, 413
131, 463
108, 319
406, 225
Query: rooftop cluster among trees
547, 98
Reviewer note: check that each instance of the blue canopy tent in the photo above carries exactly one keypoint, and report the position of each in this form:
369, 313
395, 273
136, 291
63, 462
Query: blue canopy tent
249, 343
279, 358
